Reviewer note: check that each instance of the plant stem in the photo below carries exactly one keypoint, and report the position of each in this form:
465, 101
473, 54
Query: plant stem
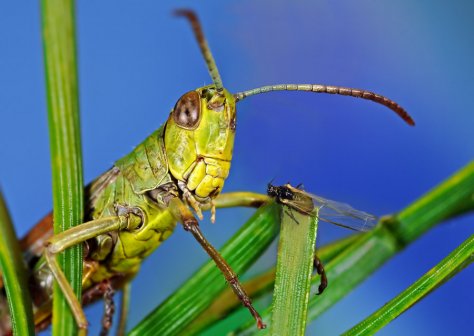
66, 160
14, 277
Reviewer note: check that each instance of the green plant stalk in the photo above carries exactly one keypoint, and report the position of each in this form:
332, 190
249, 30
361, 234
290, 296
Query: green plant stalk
196, 294
392, 234
66, 160
14, 276
256, 287
295, 265
124, 309
455, 262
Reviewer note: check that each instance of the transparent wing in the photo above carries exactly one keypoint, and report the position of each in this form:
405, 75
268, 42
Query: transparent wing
342, 214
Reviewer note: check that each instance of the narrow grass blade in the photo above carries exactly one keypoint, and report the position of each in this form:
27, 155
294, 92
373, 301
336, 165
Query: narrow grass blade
448, 267
66, 160
293, 275
256, 287
14, 276
196, 294
374, 248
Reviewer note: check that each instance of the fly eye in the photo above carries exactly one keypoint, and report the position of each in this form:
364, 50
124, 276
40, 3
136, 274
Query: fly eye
186, 113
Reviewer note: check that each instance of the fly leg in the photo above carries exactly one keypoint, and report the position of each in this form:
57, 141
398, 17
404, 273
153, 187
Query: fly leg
319, 267
71, 237
191, 224
289, 212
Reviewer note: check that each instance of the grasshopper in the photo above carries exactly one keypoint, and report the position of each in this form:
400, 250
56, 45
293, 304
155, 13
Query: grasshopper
136, 205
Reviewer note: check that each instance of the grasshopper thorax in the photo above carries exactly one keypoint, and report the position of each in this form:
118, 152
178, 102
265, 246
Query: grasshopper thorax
199, 139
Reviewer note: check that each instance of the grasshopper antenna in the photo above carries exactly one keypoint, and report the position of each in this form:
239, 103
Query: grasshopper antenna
206, 52
358, 93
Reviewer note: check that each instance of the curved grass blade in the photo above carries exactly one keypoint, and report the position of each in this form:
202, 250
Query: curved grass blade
392, 234
66, 158
14, 276
455, 262
293, 275
196, 294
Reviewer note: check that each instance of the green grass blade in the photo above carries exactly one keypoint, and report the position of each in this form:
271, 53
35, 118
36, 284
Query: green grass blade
451, 265
293, 276
124, 309
195, 295
256, 287
14, 276
66, 160
374, 248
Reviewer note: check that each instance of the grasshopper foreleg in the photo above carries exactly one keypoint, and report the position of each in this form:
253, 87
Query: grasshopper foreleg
71, 237
191, 224
241, 198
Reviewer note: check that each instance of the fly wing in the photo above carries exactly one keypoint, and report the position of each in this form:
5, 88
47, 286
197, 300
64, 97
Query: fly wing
342, 214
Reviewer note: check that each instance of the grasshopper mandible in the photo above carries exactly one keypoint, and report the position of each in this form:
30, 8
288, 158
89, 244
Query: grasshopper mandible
133, 207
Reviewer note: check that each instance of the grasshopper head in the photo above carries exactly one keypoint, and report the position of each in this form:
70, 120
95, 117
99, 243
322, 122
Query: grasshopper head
199, 138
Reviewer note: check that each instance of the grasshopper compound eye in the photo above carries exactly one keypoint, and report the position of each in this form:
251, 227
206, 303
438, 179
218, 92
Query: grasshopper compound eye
187, 111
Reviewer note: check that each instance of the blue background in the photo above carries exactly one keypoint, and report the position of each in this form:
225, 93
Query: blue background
135, 61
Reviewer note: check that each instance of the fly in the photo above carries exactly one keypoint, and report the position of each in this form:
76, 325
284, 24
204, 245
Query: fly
337, 213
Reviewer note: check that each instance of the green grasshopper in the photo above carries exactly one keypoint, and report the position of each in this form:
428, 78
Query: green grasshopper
133, 207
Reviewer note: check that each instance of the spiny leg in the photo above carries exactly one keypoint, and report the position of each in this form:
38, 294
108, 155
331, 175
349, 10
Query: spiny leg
109, 308
71, 237
318, 265
191, 224
104, 290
